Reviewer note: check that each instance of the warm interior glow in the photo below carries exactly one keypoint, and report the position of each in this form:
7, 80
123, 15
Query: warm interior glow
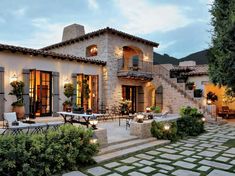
14, 78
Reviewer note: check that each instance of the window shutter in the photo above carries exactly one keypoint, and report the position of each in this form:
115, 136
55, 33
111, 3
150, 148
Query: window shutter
26, 73
55, 93
74, 82
2, 99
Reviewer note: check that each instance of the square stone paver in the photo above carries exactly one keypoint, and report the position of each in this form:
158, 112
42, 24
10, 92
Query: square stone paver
223, 159
232, 151
171, 156
208, 153
190, 159
167, 150
186, 165
158, 160
74, 173
136, 174
159, 174
144, 156
216, 164
130, 160
114, 174
187, 152
164, 166
124, 168
147, 169
97, 171
138, 164
146, 162
112, 164
220, 173
182, 172
153, 152
203, 168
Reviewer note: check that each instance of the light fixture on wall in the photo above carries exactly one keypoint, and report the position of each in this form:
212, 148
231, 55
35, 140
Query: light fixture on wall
66, 81
14, 78
93, 95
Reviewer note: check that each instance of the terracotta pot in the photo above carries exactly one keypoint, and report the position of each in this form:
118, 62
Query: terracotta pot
20, 111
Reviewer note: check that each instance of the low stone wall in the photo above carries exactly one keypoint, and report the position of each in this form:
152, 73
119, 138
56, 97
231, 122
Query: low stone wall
142, 130
101, 134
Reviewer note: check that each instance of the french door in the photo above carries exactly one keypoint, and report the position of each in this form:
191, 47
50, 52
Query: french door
129, 93
40, 89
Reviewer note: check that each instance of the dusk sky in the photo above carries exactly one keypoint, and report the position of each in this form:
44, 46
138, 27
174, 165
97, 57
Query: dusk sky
180, 26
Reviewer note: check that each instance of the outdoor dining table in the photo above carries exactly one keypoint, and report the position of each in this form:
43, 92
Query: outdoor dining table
70, 117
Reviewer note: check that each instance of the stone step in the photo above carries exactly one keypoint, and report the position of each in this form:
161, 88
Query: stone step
123, 141
124, 145
124, 152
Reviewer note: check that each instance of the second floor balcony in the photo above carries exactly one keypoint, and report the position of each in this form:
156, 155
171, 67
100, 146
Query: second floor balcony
135, 69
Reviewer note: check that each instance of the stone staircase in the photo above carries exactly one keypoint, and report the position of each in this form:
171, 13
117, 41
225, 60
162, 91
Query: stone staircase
182, 96
125, 147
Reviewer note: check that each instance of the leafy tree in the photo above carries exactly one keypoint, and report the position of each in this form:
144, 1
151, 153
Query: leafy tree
222, 52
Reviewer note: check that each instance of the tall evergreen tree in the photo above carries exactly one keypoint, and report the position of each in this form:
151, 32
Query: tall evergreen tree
222, 52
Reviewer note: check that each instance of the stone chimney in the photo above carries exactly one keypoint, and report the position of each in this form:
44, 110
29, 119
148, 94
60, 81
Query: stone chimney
73, 31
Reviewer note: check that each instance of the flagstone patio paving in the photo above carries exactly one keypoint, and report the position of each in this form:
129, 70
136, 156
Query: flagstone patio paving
200, 156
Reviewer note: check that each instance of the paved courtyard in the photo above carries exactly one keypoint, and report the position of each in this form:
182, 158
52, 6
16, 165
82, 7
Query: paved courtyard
203, 155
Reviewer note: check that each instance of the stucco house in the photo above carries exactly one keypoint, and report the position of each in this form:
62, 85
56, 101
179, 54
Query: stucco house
117, 66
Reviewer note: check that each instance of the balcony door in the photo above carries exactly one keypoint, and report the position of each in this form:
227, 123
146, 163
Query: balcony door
40, 93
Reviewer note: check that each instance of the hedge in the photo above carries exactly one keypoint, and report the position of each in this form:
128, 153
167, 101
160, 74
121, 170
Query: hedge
46, 154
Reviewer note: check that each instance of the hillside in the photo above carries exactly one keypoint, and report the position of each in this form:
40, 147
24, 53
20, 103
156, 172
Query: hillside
200, 58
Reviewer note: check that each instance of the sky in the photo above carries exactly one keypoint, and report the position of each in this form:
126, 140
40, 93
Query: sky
181, 27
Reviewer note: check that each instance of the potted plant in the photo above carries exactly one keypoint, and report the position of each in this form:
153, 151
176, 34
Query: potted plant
68, 92
18, 92
125, 106
190, 85
211, 97
155, 109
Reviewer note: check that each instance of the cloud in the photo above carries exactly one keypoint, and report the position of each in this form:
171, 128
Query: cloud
20, 11
163, 47
144, 18
2, 20
92, 4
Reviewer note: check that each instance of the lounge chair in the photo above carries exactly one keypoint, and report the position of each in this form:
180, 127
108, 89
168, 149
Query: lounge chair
10, 117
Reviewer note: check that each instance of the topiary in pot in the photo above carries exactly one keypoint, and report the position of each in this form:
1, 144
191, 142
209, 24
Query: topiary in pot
18, 92
68, 92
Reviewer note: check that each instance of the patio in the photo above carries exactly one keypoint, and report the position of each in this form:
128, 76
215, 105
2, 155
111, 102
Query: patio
203, 155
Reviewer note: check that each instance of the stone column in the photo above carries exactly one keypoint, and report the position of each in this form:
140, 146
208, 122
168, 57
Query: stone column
74, 82
55, 100
26, 76
2, 99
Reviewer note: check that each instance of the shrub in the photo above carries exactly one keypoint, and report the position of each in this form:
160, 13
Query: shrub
155, 109
46, 154
190, 123
158, 130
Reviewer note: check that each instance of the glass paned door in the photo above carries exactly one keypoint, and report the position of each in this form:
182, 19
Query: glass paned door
40, 93
129, 93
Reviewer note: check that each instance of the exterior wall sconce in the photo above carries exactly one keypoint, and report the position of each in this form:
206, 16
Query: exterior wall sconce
203, 119
66, 81
93, 95
14, 78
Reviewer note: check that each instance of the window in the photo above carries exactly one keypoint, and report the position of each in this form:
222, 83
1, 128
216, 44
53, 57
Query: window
91, 51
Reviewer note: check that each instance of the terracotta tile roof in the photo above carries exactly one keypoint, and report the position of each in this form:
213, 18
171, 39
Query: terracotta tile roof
44, 53
193, 70
101, 32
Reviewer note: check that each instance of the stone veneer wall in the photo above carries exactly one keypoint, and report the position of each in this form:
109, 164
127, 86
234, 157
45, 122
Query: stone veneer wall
171, 97
113, 84
110, 50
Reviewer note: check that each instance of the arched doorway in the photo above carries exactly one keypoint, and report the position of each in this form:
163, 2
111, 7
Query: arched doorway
132, 57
